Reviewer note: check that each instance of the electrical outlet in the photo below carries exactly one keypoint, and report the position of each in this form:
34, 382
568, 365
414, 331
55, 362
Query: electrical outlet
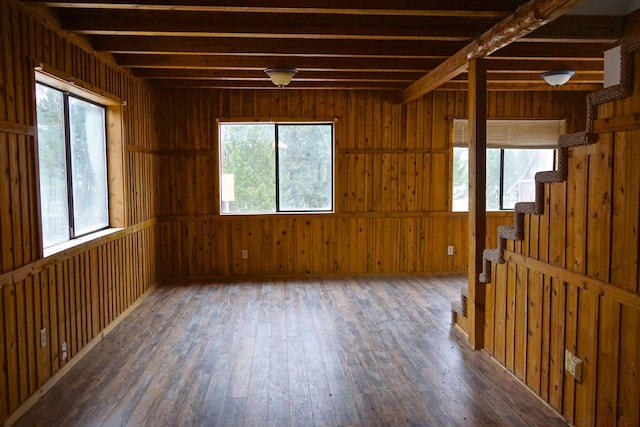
245, 253
63, 353
43, 337
449, 250
573, 365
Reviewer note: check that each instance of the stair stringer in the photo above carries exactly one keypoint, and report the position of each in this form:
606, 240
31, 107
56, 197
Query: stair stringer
565, 142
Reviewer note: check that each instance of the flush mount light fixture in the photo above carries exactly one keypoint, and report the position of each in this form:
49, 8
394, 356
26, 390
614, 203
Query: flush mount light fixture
557, 78
281, 76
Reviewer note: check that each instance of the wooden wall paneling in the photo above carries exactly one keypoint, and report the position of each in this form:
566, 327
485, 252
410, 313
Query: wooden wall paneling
409, 246
426, 237
439, 108
545, 331
11, 347
587, 345
628, 409
558, 224
16, 217
625, 195
534, 347
26, 194
577, 209
4, 386
522, 319
6, 231
571, 344
607, 362
460, 242
94, 290
543, 227
75, 339
557, 344
438, 241
21, 328
374, 178
439, 177
500, 310
510, 314
490, 314
412, 124
53, 340
41, 286
425, 181
31, 335
599, 208
530, 225
62, 314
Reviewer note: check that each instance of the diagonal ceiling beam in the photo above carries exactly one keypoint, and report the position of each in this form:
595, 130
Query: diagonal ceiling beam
524, 20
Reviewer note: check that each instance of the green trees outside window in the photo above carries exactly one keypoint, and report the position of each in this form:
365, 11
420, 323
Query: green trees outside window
510, 176
276, 167
72, 165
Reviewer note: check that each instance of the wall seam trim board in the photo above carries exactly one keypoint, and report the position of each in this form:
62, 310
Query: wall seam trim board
578, 280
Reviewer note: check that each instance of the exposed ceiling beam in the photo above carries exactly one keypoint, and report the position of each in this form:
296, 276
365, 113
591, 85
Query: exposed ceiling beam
527, 18
525, 65
485, 8
332, 48
208, 24
335, 76
307, 75
578, 29
267, 84
495, 86
262, 62
275, 46
581, 51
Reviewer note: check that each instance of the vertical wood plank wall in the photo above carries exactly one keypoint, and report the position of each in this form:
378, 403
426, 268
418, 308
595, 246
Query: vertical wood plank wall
78, 293
573, 282
392, 183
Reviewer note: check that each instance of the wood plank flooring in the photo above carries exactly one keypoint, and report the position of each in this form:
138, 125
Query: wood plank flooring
361, 351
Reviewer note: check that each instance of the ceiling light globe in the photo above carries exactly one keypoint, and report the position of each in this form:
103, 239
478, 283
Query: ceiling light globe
281, 76
557, 78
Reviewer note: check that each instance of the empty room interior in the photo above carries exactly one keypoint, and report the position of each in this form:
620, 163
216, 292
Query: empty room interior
319, 213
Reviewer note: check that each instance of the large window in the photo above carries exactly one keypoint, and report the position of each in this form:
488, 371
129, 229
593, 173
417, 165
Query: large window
276, 167
72, 165
517, 150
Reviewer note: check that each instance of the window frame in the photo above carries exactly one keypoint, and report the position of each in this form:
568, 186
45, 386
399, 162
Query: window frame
66, 96
114, 156
276, 123
502, 155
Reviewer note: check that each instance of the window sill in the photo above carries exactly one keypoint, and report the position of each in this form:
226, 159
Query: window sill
52, 250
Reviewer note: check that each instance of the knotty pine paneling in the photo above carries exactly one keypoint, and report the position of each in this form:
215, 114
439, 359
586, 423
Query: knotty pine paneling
76, 294
572, 283
392, 183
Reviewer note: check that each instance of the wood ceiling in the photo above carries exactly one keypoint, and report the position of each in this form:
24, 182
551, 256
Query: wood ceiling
354, 44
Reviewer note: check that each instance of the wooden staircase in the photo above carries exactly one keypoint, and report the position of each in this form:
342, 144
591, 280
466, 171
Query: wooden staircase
565, 142
459, 310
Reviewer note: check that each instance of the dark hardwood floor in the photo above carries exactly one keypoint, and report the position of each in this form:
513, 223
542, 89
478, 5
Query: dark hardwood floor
361, 351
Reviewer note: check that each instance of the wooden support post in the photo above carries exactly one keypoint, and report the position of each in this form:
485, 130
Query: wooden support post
477, 198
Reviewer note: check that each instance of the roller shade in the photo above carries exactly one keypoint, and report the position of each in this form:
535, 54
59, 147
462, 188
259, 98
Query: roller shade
513, 133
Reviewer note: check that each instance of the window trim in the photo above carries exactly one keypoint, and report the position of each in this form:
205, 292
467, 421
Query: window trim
276, 122
115, 151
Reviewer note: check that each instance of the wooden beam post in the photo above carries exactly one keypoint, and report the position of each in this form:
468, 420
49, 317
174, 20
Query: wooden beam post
477, 198
528, 17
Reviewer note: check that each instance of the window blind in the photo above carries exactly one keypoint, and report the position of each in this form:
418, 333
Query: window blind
513, 133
